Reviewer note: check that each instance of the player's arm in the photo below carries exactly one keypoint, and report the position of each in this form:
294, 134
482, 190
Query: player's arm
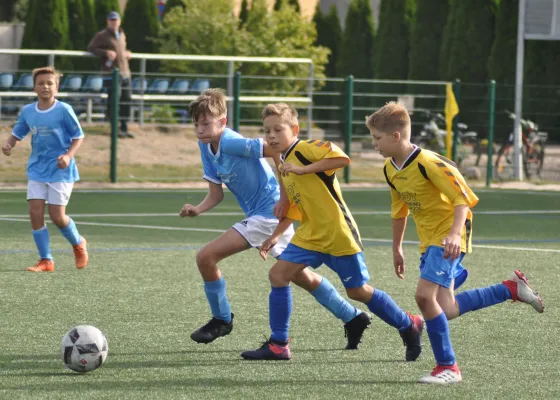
283, 204
273, 239
9, 144
452, 243
399, 212
213, 198
64, 160
324, 165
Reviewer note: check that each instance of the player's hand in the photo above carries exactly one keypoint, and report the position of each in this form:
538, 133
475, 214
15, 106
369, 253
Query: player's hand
7, 149
281, 208
452, 246
189, 211
63, 161
286, 168
111, 55
398, 261
267, 245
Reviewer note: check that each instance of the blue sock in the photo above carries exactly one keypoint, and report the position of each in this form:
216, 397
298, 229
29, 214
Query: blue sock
475, 299
382, 305
71, 233
43, 242
329, 298
217, 298
280, 308
438, 332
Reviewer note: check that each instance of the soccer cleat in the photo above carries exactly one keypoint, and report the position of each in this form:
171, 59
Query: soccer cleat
354, 329
269, 351
44, 265
212, 330
520, 290
443, 375
81, 254
412, 337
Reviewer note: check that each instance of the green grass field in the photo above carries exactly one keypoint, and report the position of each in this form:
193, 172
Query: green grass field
143, 290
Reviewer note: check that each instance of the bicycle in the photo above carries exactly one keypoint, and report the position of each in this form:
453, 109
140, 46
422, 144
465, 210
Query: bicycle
533, 146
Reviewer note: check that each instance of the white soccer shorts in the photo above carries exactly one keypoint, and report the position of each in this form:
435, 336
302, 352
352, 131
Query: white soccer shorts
55, 193
257, 229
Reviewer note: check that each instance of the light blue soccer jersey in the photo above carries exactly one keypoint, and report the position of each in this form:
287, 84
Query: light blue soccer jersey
52, 132
239, 164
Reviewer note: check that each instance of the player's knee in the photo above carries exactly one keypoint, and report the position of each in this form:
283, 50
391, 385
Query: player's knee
278, 277
204, 259
362, 294
58, 219
424, 300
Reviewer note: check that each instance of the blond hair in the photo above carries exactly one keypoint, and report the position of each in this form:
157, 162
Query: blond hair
211, 102
287, 114
390, 118
45, 70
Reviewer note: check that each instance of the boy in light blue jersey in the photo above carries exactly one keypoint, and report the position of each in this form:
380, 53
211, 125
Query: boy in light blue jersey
56, 135
229, 158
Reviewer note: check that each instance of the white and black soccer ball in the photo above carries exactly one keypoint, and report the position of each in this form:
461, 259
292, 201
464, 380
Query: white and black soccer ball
84, 348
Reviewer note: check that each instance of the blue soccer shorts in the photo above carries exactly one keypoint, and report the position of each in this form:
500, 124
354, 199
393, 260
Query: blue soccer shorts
351, 270
436, 269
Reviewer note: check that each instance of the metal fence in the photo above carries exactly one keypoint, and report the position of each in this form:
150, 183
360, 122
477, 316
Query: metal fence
332, 109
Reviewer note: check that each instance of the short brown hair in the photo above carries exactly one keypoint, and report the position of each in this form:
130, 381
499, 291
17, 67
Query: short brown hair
45, 70
287, 114
390, 118
212, 102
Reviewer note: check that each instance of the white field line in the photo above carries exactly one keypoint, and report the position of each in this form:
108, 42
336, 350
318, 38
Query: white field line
172, 228
236, 213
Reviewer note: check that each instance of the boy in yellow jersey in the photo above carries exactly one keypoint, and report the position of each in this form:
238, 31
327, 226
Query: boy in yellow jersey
327, 235
432, 189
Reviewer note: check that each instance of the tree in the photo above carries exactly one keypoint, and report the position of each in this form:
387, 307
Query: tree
392, 41
468, 59
8, 10
279, 3
47, 28
280, 34
82, 30
356, 52
103, 8
243, 13
329, 35
426, 39
447, 40
140, 36
170, 4
501, 65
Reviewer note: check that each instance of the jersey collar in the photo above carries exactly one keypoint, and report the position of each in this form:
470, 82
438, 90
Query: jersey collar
287, 153
408, 160
48, 109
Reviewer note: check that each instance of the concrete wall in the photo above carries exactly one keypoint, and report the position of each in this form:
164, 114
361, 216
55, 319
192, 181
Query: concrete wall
10, 38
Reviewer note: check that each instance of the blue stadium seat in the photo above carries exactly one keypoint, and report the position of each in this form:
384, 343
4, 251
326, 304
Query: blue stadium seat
159, 86
6, 80
199, 86
24, 83
180, 86
72, 83
94, 83
137, 85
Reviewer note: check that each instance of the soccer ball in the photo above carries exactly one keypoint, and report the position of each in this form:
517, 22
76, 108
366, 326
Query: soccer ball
83, 348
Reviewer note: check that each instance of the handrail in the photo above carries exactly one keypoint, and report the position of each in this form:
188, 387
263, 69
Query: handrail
148, 56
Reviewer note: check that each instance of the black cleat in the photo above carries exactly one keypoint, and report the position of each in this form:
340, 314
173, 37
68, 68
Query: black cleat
412, 337
354, 329
212, 330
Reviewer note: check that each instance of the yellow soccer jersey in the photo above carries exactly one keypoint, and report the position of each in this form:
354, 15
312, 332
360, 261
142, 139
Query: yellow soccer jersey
430, 186
326, 223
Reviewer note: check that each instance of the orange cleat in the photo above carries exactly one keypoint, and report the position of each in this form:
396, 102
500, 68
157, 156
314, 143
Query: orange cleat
43, 265
81, 254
